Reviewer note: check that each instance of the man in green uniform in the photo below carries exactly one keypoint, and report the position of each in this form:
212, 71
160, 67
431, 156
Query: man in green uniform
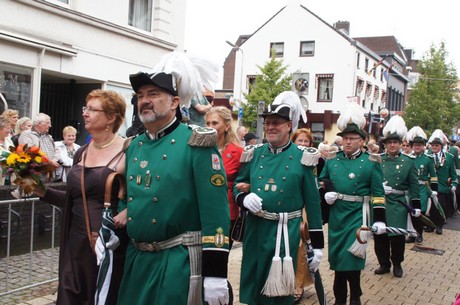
447, 178
427, 177
357, 179
282, 183
401, 183
177, 206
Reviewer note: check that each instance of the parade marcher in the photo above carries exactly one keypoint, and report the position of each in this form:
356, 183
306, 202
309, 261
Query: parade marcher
357, 180
427, 178
447, 178
400, 185
177, 207
282, 182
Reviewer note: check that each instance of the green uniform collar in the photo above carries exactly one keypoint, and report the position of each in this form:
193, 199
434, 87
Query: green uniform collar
164, 131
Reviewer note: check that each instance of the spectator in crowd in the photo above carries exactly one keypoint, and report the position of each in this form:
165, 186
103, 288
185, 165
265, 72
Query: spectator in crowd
250, 139
23, 124
337, 143
302, 137
373, 147
240, 132
282, 183
5, 141
39, 136
176, 233
66, 150
12, 116
220, 118
406, 147
199, 107
92, 164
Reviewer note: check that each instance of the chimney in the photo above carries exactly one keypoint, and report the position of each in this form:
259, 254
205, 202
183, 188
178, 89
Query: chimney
343, 26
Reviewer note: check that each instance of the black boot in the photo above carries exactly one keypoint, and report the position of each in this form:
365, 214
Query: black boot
382, 270
355, 302
397, 271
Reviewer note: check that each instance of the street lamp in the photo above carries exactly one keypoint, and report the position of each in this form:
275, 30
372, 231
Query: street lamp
240, 122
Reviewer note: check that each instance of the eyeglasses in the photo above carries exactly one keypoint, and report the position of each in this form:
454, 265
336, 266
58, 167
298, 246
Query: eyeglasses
405, 145
274, 123
351, 139
90, 109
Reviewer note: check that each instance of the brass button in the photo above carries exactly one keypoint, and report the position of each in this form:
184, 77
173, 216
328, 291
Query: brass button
154, 221
130, 199
129, 219
155, 199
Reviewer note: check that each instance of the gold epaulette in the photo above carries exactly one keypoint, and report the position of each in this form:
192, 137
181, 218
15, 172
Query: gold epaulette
248, 153
128, 142
310, 155
202, 136
375, 158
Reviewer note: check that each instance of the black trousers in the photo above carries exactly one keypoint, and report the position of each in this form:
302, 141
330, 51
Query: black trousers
418, 224
341, 287
445, 199
384, 244
435, 216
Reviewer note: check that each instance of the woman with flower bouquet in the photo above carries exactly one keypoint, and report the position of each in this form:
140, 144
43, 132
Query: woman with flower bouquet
5, 143
83, 202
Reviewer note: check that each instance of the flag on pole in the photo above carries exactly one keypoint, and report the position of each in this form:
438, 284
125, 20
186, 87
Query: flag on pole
386, 73
376, 65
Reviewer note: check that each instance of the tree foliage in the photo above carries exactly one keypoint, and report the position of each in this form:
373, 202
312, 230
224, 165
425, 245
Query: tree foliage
434, 100
271, 82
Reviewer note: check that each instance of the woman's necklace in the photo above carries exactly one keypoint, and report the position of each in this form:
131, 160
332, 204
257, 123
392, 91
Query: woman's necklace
97, 146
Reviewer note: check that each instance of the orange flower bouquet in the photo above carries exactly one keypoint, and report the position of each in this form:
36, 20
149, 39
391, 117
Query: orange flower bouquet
26, 166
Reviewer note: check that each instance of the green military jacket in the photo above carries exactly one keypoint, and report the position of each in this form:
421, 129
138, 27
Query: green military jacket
447, 175
285, 185
427, 177
360, 175
173, 187
400, 173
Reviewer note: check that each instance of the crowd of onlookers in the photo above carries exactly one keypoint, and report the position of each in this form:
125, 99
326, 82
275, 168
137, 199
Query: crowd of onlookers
35, 132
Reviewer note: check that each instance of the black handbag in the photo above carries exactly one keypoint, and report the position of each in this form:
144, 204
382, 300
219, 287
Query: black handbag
238, 227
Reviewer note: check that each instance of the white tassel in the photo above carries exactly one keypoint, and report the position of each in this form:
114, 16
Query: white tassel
288, 266
358, 249
274, 286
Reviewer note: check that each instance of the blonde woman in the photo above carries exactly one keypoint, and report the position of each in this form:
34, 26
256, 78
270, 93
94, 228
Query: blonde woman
22, 124
12, 116
66, 150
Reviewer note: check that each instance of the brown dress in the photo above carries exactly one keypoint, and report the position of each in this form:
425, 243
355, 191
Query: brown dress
77, 263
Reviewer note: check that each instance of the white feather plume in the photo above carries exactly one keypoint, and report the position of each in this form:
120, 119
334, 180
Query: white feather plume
438, 134
188, 78
209, 71
396, 125
293, 101
353, 113
414, 132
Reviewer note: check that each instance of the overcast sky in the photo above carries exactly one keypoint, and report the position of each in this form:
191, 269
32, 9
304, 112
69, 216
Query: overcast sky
416, 24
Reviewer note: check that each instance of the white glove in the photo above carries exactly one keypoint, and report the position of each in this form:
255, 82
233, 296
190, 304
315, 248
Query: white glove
453, 189
417, 213
215, 290
253, 203
433, 194
313, 262
381, 227
100, 250
330, 197
388, 189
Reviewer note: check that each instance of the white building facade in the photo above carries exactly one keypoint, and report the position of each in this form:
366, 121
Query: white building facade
334, 69
53, 52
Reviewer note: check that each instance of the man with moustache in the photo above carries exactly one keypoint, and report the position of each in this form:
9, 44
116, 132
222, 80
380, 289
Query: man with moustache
177, 235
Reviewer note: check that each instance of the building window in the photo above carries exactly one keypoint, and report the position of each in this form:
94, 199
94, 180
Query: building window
16, 88
307, 48
358, 59
140, 14
317, 130
366, 65
277, 48
381, 74
325, 85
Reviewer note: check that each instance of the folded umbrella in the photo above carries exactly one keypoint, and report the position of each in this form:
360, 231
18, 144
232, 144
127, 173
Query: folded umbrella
108, 241
314, 274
